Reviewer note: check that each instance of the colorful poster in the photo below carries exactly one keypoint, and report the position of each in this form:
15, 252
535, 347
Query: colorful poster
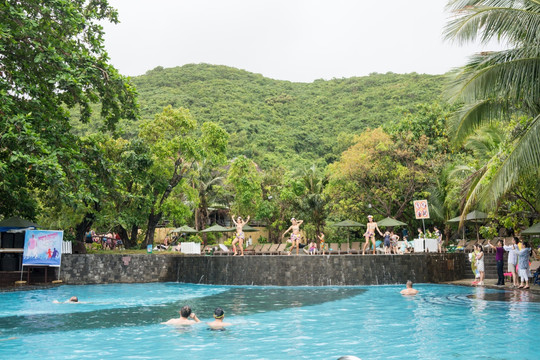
421, 209
43, 247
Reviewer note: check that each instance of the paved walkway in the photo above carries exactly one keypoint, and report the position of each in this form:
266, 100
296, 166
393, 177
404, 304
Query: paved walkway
490, 283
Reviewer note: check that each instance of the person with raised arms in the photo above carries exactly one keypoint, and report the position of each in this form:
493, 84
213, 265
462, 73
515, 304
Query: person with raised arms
239, 223
295, 235
370, 234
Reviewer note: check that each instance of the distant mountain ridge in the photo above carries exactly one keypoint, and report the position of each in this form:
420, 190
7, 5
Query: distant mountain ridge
282, 122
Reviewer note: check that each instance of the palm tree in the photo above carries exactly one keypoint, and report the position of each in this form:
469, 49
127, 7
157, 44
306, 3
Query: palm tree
499, 85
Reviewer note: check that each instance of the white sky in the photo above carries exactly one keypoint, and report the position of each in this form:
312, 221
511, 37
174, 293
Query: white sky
297, 40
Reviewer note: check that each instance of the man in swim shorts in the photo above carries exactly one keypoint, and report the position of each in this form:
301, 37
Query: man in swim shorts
370, 234
186, 318
239, 223
409, 290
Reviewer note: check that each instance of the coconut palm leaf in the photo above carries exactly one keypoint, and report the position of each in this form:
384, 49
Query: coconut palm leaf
506, 20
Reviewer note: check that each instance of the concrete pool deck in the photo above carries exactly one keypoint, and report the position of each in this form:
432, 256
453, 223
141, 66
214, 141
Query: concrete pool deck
490, 284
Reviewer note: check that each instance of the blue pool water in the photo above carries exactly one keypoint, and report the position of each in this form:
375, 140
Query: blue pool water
371, 322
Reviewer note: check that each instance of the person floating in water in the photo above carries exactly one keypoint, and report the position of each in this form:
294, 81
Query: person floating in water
409, 290
239, 223
218, 323
187, 317
370, 234
295, 235
72, 299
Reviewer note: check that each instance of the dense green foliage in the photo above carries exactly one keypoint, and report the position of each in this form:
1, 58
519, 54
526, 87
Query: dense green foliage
279, 122
51, 58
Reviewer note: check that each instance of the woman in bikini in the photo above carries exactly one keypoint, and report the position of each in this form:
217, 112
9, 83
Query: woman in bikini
295, 235
239, 223
370, 234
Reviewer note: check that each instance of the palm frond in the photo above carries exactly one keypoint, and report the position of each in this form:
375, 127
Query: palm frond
510, 74
473, 116
525, 158
515, 22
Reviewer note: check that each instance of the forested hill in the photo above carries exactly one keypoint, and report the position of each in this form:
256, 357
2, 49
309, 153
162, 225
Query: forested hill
277, 122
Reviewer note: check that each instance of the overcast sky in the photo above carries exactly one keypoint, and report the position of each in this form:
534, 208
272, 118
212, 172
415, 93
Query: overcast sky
297, 40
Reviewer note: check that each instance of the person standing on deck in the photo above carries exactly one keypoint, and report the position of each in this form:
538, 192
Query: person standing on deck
513, 259
239, 223
499, 257
370, 234
295, 235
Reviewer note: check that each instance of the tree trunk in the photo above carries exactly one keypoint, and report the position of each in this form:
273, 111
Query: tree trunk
83, 227
153, 220
128, 241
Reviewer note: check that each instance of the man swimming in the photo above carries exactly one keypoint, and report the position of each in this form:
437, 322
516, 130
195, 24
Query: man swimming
370, 234
295, 236
72, 299
218, 323
239, 223
409, 290
186, 318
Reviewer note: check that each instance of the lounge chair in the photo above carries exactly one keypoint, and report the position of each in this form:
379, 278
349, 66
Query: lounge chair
460, 246
263, 249
535, 254
470, 245
355, 248
249, 250
271, 250
333, 249
345, 248
281, 249
222, 250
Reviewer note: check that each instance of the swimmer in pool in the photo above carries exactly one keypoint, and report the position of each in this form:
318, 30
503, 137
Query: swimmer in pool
218, 323
186, 318
72, 299
409, 290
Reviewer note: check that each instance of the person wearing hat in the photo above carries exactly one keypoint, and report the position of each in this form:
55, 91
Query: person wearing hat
218, 323
370, 234
295, 235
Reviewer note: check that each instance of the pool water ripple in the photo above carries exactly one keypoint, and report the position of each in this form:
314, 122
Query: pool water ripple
274, 323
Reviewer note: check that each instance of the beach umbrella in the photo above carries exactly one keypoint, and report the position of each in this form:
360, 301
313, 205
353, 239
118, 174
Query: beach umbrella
533, 230
390, 222
217, 228
474, 216
185, 229
348, 224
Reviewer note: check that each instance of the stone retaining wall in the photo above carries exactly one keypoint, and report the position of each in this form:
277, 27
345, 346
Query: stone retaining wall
264, 270
105, 268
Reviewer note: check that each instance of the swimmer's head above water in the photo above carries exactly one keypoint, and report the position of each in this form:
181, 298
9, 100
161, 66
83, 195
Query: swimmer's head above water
219, 313
73, 299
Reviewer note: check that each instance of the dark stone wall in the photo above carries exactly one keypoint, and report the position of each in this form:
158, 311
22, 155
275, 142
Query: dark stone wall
105, 268
265, 270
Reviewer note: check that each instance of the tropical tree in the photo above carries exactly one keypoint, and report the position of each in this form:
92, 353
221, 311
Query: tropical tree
176, 144
52, 59
245, 181
312, 201
499, 85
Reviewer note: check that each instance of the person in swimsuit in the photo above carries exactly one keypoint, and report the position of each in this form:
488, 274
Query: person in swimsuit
387, 242
394, 238
239, 223
295, 236
312, 248
322, 243
187, 317
370, 234
218, 323
409, 289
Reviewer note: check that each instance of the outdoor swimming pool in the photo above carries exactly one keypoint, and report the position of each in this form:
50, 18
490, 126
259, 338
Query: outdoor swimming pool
371, 322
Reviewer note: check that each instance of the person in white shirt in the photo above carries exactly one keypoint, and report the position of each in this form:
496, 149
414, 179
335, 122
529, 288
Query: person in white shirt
513, 259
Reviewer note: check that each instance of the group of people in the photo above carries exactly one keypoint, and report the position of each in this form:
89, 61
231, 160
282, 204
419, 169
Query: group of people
188, 317
109, 240
518, 262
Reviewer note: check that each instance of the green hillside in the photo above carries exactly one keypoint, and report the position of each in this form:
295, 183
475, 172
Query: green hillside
279, 122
